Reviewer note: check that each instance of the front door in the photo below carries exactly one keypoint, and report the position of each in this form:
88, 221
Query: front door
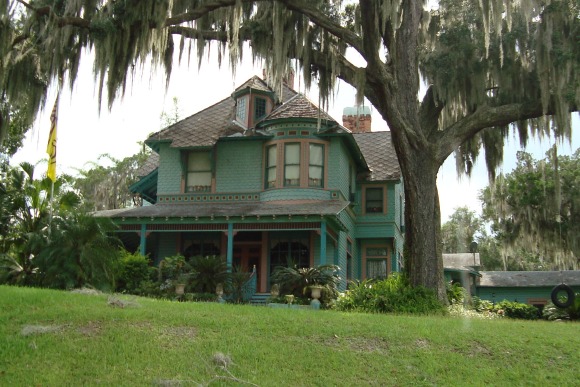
246, 256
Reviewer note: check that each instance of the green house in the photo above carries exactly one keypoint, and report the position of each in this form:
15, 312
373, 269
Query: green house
265, 179
528, 287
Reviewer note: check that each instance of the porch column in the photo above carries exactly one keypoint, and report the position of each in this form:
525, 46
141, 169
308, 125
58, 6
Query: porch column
143, 239
323, 242
230, 252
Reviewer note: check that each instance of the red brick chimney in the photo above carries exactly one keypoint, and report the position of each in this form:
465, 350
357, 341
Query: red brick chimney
357, 119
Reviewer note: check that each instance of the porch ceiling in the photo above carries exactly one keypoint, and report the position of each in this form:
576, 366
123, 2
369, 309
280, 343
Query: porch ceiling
193, 210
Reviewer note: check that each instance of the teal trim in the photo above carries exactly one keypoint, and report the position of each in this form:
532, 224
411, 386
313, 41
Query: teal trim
147, 187
230, 253
323, 243
143, 239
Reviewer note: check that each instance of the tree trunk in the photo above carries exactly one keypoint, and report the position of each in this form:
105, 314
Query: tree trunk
423, 251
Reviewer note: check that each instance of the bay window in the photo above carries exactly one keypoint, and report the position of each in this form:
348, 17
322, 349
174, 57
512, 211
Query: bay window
316, 165
271, 156
292, 165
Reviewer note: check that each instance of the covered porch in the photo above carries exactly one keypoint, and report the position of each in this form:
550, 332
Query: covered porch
266, 235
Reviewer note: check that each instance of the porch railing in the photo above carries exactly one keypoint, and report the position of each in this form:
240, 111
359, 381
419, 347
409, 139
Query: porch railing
250, 287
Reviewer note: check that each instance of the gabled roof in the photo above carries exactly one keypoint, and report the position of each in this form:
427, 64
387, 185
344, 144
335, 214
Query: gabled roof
379, 153
460, 260
529, 278
254, 83
298, 107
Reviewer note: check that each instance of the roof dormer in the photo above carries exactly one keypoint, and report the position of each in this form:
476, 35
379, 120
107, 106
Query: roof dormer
254, 101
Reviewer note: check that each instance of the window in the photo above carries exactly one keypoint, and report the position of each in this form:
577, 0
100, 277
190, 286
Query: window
259, 108
292, 165
271, 156
377, 262
374, 200
241, 109
289, 253
316, 165
348, 260
198, 172
196, 245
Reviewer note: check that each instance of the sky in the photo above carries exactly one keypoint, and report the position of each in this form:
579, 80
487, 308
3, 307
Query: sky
84, 133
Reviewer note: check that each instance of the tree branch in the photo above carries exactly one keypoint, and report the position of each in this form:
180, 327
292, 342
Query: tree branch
486, 117
320, 19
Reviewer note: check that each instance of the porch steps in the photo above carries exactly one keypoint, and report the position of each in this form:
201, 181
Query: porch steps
259, 298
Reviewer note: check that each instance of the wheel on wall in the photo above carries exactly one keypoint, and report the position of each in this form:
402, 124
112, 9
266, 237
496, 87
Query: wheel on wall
569, 292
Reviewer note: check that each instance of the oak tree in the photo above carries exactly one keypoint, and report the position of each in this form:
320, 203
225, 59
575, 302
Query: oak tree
488, 64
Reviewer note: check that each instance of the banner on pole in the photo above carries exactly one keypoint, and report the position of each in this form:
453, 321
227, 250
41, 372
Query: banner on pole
51, 146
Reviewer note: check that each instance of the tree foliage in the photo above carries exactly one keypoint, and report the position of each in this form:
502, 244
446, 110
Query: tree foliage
535, 211
459, 231
488, 63
107, 187
53, 247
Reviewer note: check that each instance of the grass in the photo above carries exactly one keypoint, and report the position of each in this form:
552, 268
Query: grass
53, 338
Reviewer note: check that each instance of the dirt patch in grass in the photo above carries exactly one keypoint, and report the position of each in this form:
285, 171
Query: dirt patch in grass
90, 329
29, 330
356, 344
475, 349
173, 333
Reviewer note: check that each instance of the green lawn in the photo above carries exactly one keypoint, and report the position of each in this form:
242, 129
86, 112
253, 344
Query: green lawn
52, 338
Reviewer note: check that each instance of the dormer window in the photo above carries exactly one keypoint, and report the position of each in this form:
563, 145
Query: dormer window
241, 110
259, 108
198, 178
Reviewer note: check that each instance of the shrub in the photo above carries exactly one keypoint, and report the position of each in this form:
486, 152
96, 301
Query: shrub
456, 293
208, 272
552, 312
391, 295
133, 270
518, 310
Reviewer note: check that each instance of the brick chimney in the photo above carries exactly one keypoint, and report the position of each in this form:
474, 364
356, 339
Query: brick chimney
357, 119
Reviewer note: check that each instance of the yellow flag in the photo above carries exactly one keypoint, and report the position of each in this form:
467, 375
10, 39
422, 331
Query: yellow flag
51, 146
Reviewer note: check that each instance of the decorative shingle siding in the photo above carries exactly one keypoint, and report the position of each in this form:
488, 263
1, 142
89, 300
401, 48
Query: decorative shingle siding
169, 180
338, 165
239, 166
295, 194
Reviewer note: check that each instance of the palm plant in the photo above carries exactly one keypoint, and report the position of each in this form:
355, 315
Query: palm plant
208, 272
25, 220
81, 251
298, 281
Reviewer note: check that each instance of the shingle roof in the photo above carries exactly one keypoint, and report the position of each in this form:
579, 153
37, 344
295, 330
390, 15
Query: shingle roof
460, 260
315, 207
150, 165
298, 107
255, 83
205, 127
377, 149
529, 278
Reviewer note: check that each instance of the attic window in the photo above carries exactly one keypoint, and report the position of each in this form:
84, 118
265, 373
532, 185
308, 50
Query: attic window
241, 109
198, 172
259, 108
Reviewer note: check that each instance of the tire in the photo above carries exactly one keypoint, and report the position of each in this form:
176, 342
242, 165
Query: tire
569, 292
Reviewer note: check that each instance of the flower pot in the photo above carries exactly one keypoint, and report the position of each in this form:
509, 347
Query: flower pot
316, 292
180, 289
